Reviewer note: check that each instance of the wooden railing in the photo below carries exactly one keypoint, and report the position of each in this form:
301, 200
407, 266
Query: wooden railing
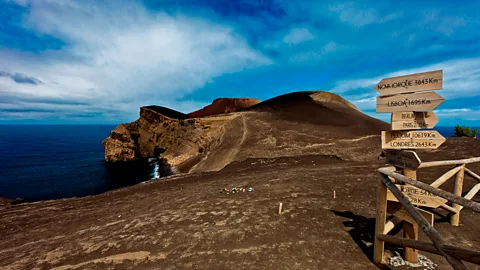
388, 178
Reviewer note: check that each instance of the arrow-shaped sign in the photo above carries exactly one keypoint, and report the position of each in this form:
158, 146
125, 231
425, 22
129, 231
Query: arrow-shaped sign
418, 82
425, 139
403, 159
413, 120
417, 196
409, 102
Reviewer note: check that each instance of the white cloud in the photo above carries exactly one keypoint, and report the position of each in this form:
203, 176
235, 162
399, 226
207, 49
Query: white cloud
297, 35
363, 101
442, 23
349, 13
456, 114
315, 54
461, 78
118, 57
329, 47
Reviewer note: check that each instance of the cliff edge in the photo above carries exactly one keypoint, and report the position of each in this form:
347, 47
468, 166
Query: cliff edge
299, 123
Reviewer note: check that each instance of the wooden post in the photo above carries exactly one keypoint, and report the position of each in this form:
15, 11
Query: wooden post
381, 218
457, 190
410, 230
436, 238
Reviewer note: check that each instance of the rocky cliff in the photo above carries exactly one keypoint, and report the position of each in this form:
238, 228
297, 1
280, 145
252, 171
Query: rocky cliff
301, 123
155, 134
225, 105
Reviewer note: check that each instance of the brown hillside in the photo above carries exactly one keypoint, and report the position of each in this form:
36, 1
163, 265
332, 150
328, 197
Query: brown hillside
296, 124
299, 123
225, 105
190, 222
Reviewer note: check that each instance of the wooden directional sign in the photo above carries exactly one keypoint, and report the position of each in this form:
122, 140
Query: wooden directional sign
398, 210
423, 139
409, 102
426, 81
417, 196
413, 120
403, 159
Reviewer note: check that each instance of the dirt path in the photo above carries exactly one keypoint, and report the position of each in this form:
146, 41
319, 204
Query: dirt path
225, 151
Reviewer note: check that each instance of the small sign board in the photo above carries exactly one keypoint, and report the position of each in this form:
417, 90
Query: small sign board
396, 209
413, 120
403, 159
422, 139
417, 196
409, 102
432, 80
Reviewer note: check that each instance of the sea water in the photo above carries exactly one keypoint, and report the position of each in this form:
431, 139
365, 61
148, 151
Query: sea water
40, 162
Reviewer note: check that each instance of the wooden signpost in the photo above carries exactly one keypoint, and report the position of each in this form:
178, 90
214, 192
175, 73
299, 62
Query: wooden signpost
425, 139
409, 102
417, 196
406, 99
396, 209
413, 120
403, 159
425, 81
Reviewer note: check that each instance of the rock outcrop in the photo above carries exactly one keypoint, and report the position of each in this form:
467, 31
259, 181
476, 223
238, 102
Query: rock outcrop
225, 105
154, 134
300, 123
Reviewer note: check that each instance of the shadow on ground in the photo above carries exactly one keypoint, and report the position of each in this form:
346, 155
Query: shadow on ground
362, 231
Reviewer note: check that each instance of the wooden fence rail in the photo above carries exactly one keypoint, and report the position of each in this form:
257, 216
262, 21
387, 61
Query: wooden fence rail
449, 162
441, 193
388, 179
460, 253
436, 238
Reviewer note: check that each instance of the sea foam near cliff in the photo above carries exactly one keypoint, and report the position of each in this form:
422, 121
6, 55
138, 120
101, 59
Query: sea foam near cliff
39, 162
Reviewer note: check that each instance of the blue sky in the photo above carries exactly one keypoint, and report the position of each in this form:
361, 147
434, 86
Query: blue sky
67, 61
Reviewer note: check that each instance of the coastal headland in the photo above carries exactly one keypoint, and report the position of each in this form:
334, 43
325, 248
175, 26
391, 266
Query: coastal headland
312, 152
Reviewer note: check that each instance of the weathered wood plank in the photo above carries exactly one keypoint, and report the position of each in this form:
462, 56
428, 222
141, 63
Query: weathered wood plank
432, 80
424, 139
436, 238
391, 224
472, 174
410, 229
457, 190
471, 193
440, 193
396, 209
449, 162
381, 216
449, 208
403, 159
417, 196
444, 178
409, 102
413, 120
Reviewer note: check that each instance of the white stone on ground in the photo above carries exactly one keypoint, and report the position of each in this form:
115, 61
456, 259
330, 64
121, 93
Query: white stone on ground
423, 262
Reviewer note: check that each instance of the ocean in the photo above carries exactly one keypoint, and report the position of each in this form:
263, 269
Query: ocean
42, 162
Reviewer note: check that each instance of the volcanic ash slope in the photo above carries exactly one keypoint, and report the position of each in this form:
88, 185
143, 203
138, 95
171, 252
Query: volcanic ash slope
299, 123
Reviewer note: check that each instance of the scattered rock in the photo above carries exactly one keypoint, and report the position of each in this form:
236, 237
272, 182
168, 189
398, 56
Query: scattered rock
423, 262
236, 190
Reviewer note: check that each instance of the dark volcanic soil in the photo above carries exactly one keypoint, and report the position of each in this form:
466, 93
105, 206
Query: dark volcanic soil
188, 222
